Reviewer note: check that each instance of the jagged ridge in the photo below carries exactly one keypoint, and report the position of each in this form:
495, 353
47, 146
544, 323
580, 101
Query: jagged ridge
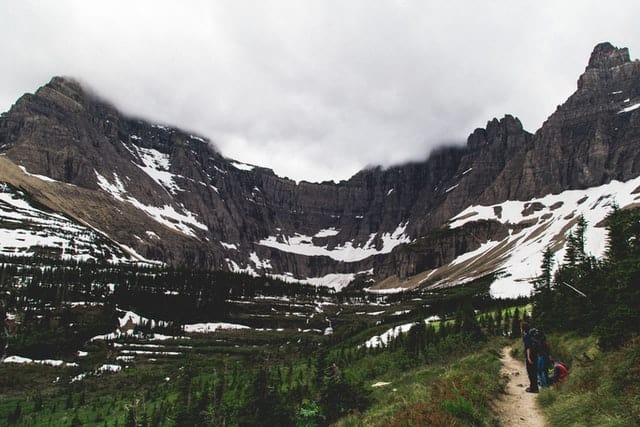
173, 196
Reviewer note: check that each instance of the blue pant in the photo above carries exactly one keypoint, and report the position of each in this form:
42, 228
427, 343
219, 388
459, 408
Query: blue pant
543, 375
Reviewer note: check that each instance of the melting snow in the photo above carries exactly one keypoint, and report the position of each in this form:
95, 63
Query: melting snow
127, 322
629, 108
385, 291
202, 328
453, 187
303, 245
327, 232
34, 227
380, 384
50, 362
156, 165
521, 261
234, 267
259, 263
109, 368
336, 281
242, 166
41, 177
166, 215
384, 339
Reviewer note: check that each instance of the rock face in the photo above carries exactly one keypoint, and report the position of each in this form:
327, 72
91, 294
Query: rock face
173, 197
592, 138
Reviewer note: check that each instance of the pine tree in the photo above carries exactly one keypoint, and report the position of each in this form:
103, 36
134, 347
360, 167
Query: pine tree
416, 339
506, 325
339, 396
619, 296
515, 323
76, 422
498, 322
543, 310
15, 416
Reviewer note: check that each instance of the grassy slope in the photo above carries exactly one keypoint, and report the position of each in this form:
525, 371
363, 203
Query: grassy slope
456, 391
603, 388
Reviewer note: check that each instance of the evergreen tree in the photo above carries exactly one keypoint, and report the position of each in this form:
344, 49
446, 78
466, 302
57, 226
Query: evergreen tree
543, 310
506, 325
263, 406
339, 396
619, 295
76, 422
470, 323
416, 339
498, 322
515, 323
15, 415
131, 420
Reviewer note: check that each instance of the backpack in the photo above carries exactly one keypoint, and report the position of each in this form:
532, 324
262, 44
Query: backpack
538, 342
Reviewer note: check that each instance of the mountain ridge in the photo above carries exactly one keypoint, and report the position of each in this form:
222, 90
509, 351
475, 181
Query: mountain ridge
212, 212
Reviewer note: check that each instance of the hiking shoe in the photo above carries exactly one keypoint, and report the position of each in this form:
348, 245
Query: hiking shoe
529, 390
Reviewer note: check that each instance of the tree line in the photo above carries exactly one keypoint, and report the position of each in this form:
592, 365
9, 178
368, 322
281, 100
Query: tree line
589, 295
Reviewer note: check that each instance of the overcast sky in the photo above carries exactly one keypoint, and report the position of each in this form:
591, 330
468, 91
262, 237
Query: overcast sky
315, 89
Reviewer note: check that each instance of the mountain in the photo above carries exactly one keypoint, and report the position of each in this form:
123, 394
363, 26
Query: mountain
32, 231
171, 196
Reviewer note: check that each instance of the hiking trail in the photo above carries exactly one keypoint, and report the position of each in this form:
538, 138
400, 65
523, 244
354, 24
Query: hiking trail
516, 407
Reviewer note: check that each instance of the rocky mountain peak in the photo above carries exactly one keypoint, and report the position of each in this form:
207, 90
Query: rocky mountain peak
605, 56
608, 65
63, 90
496, 130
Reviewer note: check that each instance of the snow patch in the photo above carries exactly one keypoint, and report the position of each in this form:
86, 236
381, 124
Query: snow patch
453, 187
336, 281
259, 263
520, 261
303, 245
384, 339
327, 232
157, 165
50, 362
242, 166
203, 328
109, 368
629, 108
40, 177
166, 215
229, 246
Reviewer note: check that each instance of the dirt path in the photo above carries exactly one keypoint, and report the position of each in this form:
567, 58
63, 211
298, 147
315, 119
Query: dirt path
517, 407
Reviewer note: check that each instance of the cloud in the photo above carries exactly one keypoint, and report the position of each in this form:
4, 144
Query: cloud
315, 90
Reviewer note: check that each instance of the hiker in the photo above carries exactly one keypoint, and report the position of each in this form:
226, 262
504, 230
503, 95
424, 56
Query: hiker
560, 371
529, 358
541, 350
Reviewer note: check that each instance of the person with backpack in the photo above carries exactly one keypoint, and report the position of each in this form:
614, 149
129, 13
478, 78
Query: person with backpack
530, 358
541, 350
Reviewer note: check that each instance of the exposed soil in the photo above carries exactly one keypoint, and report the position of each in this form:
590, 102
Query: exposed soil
516, 407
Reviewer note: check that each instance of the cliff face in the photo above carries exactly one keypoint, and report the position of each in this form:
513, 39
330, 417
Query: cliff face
172, 196
589, 140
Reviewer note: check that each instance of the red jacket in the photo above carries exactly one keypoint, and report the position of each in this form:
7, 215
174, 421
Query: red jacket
559, 372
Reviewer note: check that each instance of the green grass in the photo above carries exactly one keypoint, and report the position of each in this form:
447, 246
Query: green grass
602, 389
453, 391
